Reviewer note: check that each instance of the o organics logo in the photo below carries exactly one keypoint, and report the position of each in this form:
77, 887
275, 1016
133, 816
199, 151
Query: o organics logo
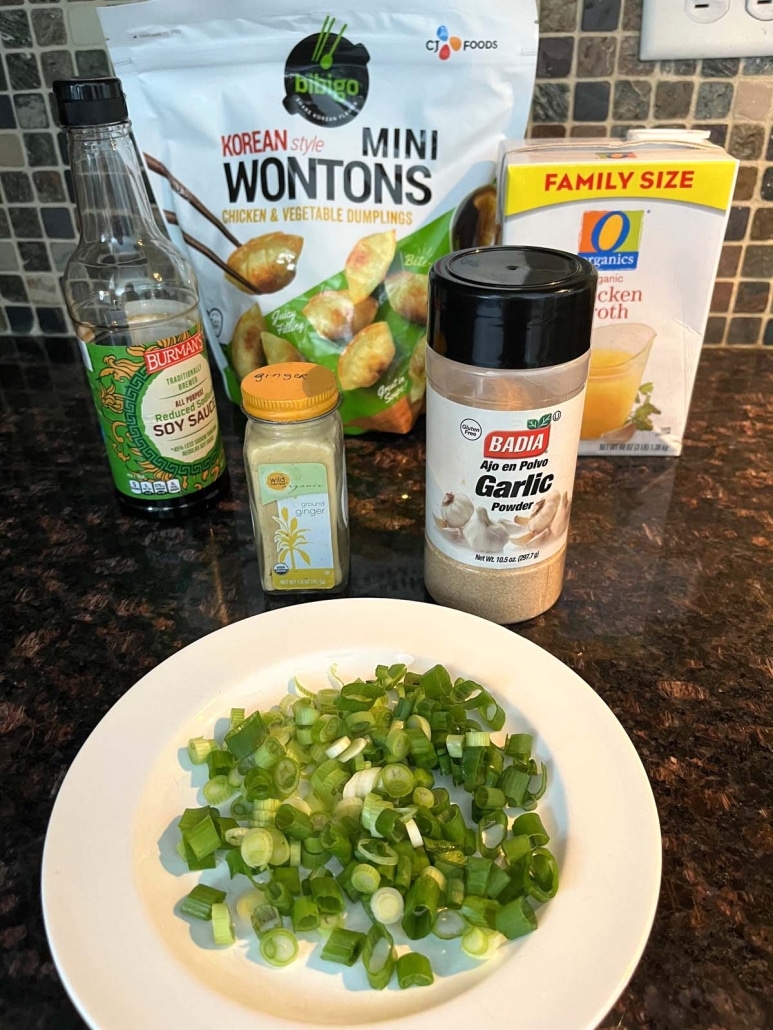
444, 44
326, 77
610, 239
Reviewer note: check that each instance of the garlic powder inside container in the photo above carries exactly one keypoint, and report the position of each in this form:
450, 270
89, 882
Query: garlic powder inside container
508, 345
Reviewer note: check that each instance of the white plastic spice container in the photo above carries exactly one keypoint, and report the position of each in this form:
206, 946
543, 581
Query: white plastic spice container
508, 344
296, 476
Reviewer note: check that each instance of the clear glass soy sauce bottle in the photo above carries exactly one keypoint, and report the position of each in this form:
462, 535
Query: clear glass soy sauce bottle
133, 301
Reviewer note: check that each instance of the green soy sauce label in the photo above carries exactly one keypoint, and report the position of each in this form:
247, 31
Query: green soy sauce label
157, 411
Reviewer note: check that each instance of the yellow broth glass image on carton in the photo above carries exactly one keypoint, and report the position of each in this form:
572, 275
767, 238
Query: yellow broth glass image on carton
618, 358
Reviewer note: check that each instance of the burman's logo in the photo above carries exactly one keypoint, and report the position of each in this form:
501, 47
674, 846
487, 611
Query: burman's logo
326, 77
521, 443
444, 44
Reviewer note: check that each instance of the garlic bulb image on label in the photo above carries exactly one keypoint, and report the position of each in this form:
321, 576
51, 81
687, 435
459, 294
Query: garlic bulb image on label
456, 510
485, 536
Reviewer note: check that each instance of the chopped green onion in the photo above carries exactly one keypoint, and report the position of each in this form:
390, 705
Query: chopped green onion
418, 722
480, 911
490, 797
343, 946
515, 848
258, 784
243, 739
335, 840
293, 823
516, 918
492, 830
397, 780
530, 824
376, 851
541, 877
398, 743
454, 891
365, 764
362, 783
355, 749
279, 947
199, 748
313, 853
378, 956
421, 905
338, 747
199, 831
423, 797
326, 729
478, 870
279, 896
198, 903
372, 807
477, 738
256, 847
264, 918
414, 970
280, 847
222, 927
481, 942
269, 753
365, 878
448, 924
290, 877
498, 879
387, 905
359, 696
217, 790
305, 914
220, 763
389, 823
441, 801
327, 893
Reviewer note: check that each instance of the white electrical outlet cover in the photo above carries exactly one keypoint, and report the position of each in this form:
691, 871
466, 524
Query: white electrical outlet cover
675, 29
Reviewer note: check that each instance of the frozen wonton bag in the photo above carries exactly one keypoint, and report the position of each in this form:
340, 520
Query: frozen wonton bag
315, 165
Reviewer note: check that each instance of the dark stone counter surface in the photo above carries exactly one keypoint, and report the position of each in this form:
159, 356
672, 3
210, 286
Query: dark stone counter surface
666, 612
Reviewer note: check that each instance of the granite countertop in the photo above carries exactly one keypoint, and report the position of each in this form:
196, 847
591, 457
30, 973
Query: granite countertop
666, 612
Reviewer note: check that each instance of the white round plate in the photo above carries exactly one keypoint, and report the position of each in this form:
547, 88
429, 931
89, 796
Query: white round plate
111, 876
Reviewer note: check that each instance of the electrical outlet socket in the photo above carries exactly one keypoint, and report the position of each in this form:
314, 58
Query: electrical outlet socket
675, 29
760, 9
706, 11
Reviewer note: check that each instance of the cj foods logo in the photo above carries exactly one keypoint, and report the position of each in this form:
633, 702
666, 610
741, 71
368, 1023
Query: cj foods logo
611, 239
444, 44
326, 77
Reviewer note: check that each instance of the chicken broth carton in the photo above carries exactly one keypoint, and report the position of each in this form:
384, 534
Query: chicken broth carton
650, 213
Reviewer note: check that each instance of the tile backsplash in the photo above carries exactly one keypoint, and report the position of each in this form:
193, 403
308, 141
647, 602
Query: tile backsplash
590, 82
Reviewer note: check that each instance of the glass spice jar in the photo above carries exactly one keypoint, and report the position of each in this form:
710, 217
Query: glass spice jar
296, 475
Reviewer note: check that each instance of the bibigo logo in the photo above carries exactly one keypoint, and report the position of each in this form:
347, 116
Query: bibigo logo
326, 76
611, 239
444, 44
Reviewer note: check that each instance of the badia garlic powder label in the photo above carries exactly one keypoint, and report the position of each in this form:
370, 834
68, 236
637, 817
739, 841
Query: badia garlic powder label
499, 483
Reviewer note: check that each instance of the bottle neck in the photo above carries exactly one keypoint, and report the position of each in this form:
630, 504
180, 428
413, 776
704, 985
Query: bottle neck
113, 203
